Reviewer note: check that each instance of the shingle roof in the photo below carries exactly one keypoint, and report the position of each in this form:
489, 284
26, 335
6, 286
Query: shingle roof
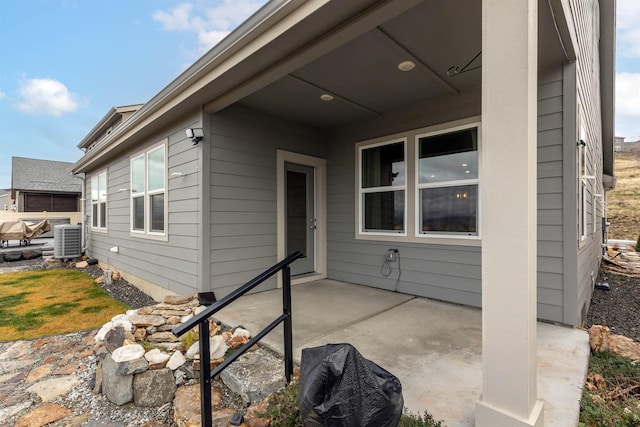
43, 175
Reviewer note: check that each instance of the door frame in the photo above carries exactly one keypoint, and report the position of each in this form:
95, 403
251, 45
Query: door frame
320, 189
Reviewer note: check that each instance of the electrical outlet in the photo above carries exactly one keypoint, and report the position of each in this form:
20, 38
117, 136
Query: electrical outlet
392, 255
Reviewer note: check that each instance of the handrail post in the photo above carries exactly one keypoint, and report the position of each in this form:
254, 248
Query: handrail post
205, 374
288, 321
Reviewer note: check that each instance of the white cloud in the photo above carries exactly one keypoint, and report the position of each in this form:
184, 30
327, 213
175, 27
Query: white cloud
628, 30
210, 25
45, 96
628, 104
2, 95
176, 20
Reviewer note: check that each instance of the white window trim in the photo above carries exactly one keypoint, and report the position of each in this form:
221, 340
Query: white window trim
410, 192
473, 181
147, 233
582, 179
97, 176
362, 191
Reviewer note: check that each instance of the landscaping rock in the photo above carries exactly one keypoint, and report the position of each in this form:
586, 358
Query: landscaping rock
146, 320
13, 256
255, 375
162, 337
39, 372
217, 347
82, 264
177, 359
132, 367
114, 339
601, 339
127, 353
50, 389
186, 405
31, 253
154, 387
178, 299
44, 414
253, 419
156, 358
117, 388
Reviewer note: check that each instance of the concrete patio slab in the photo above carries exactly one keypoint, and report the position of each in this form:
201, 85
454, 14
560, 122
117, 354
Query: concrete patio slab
434, 348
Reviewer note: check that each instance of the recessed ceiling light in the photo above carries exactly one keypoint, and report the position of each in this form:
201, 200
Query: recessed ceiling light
464, 165
406, 66
326, 97
467, 171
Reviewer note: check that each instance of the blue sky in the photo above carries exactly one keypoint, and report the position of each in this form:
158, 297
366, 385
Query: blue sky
65, 63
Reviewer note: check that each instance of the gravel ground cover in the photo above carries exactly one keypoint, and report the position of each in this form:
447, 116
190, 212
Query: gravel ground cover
619, 307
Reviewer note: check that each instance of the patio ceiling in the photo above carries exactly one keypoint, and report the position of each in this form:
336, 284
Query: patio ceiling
363, 76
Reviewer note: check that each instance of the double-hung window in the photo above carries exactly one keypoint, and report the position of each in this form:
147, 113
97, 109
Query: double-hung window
99, 201
383, 188
148, 201
447, 186
421, 185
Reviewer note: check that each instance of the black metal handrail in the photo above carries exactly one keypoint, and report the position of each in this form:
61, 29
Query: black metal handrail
202, 320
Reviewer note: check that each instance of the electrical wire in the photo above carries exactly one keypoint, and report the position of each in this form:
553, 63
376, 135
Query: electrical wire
399, 271
386, 269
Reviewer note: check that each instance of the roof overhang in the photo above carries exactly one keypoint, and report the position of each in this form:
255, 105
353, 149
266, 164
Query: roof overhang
607, 82
283, 57
111, 117
185, 92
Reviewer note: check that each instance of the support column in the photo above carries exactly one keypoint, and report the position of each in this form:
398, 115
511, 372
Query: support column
508, 179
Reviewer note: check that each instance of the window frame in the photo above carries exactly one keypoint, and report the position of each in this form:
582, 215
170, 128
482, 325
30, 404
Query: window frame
146, 194
411, 177
381, 189
444, 184
98, 202
581, 169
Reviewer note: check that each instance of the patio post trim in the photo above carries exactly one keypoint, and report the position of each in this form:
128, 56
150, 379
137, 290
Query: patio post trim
509, 222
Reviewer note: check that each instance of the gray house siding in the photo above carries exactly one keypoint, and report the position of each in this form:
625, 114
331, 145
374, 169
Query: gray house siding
170, 264
586, 20
449, 272
551, 280
243, 218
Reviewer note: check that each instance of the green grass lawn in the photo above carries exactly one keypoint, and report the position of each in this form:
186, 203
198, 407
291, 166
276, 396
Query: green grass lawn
50, 302
616, 399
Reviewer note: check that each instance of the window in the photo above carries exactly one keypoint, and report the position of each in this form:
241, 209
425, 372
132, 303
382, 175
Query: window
99, 201
148, 202
424, 191
382, 189
448, 183
582, 180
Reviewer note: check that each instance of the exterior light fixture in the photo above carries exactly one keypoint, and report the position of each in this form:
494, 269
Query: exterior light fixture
406, 66
196, 134
326, 97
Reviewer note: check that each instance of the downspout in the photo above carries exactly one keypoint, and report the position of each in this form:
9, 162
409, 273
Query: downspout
83, 207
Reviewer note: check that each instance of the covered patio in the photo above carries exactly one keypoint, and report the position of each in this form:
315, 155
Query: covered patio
434, 348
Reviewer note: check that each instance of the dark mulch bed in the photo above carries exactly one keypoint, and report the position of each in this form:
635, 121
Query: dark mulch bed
618, 308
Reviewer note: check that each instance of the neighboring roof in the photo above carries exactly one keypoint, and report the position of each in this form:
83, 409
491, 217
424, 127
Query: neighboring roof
112, 117
43, 175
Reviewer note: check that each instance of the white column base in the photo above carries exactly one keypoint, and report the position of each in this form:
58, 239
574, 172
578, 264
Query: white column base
490, 416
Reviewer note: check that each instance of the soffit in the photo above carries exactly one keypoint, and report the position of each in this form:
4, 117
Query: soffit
362, 73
